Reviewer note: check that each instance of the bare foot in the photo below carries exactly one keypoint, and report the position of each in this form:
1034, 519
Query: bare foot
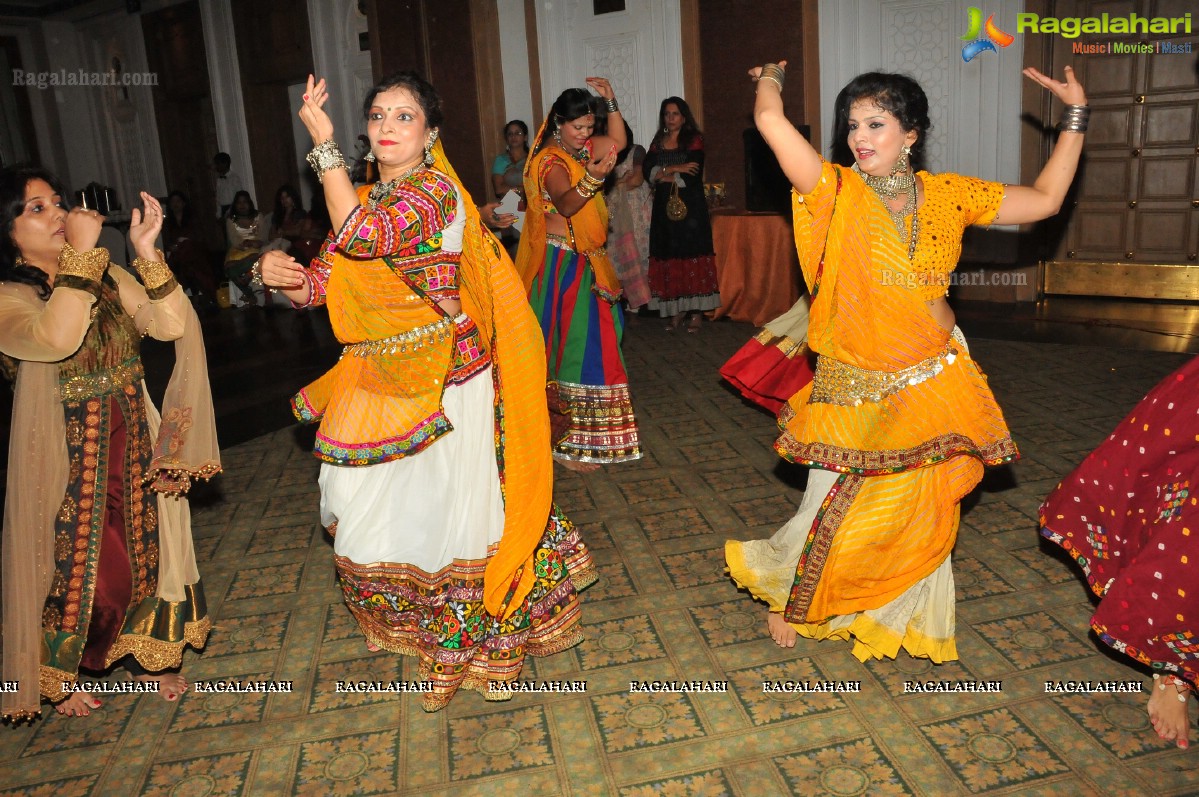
579, 467
79, 704
170, 684
1167, 713
780, 630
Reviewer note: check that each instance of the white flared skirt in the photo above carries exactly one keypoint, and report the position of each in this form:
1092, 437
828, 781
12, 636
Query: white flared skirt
428, 509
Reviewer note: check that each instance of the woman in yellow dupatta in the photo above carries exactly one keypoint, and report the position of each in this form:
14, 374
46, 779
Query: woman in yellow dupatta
436, 479
571, 281
898, 422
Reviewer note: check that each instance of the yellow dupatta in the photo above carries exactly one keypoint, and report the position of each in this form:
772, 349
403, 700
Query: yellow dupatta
588, 227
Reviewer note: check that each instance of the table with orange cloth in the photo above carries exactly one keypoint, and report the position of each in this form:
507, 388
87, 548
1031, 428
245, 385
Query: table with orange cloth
756, 265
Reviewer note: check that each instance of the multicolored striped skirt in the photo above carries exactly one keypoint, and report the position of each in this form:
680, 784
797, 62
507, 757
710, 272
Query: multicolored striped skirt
582, 348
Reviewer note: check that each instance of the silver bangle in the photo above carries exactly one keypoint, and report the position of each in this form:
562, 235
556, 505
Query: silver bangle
325, 156
611, 105
1075, 119
773, 80
773, 72
256, 273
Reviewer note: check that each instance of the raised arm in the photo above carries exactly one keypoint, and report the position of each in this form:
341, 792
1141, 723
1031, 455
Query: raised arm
340, 197
1024, 204
607, 94
158, 304
799, 161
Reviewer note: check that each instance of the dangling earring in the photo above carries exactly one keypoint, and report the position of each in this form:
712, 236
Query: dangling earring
558, 138
429, 148
901, 165
19, 262
369, 157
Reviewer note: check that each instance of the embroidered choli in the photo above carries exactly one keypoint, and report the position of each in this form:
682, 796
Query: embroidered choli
382, 400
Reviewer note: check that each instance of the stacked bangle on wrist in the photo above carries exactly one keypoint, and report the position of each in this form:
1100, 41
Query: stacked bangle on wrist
610, 104
775, 73
256, 273
1075, 119
588, 185
325, 156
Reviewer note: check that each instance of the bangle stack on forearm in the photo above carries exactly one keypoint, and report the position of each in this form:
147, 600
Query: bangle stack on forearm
588, 185
775, 73
1075, 119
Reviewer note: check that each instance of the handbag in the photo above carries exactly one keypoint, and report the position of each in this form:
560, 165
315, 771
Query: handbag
676, 208
560, 417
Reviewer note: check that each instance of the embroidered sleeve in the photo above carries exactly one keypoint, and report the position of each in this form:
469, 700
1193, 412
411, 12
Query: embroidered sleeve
979, 200
417, 210
317, 273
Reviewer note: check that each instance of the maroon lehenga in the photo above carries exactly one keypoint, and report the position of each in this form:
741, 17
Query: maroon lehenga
1128, 515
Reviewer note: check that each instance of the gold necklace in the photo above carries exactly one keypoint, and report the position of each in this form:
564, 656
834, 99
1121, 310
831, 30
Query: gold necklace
889, 188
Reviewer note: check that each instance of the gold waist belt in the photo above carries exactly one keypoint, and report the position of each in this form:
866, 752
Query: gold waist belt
847, 385
102, 383
403, 342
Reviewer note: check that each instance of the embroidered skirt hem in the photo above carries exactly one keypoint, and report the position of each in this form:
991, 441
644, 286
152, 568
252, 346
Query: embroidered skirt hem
440, 618
603, 428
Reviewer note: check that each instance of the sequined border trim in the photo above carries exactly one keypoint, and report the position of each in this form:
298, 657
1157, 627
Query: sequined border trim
414, 339
375, 452
603, 427
880, 463
832, 514
848, 385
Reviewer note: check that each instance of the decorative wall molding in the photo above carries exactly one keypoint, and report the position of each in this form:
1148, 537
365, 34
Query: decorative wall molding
639, 48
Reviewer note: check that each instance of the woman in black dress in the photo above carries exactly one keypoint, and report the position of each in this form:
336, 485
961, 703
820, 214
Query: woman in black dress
682, 266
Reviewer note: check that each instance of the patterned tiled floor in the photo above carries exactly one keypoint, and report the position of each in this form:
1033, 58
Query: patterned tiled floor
662, 610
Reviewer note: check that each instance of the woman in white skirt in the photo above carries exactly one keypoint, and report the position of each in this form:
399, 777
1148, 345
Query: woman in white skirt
436, 479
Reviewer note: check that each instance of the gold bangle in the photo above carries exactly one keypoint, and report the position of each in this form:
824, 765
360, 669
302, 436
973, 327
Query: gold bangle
154, 273
89, 265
